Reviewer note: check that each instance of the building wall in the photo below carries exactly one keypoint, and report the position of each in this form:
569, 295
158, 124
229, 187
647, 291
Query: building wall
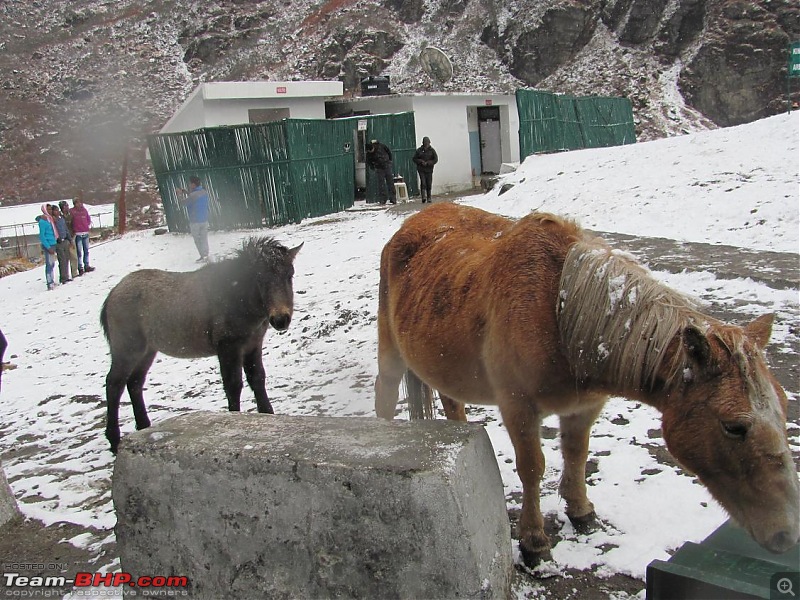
451, 121
228, 103
236, 112
189, 116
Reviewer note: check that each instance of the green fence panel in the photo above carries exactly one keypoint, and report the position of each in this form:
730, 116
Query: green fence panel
322, 166
605, 121
399, 133
257, 175
548, 122
554, 123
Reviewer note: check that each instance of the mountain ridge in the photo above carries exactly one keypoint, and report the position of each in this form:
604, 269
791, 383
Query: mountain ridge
84, 81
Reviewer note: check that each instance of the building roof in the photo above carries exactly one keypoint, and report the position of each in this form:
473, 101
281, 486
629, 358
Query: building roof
413, 95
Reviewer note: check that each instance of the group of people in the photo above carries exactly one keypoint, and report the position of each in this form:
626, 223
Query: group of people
64, 235
379, 159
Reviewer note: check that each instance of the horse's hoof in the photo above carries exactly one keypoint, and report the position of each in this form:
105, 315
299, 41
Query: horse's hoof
585, 524
532, 557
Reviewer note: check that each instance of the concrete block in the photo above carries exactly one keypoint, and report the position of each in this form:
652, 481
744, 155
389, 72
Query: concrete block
8, 505
269, 506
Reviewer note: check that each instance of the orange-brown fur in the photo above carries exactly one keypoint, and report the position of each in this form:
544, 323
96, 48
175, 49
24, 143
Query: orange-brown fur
469, 301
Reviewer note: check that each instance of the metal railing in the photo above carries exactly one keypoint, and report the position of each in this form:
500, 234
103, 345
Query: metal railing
21, 240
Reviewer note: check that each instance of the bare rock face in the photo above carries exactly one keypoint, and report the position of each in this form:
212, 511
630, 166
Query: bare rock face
350, 54
644, 18
681, 29
739, 73
536, 50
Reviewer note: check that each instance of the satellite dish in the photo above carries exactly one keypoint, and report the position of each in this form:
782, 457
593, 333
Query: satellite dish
436, 64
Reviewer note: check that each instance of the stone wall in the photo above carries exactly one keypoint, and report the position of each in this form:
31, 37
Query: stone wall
8, 505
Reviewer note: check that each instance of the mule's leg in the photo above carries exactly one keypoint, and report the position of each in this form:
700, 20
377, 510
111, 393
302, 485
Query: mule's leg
454, 411
230, 366
257, 378
116, 380
135, 385
523, 422
575, 431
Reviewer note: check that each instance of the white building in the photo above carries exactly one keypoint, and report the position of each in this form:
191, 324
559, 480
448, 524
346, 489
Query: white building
239, 102
472, 133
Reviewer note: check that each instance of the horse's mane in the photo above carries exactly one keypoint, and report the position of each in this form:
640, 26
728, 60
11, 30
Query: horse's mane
616, 321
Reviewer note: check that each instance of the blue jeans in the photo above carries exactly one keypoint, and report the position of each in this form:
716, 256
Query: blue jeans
82, 247
49, 263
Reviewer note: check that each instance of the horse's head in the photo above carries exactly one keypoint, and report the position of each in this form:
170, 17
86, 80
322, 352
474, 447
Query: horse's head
726, 422
274, 270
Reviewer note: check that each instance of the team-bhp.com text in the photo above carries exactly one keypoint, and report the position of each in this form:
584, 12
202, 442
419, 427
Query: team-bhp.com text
155, 586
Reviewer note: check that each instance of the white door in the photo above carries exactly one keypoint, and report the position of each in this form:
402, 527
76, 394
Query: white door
491, 154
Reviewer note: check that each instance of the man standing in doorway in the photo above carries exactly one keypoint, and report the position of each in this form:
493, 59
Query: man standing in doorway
425, 157
196, 202
379, 159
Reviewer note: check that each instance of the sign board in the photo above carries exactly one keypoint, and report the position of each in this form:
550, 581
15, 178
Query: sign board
487, 102
362, 125
280, 90
794, 59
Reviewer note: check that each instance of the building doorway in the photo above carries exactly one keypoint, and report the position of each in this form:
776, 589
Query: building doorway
490, 142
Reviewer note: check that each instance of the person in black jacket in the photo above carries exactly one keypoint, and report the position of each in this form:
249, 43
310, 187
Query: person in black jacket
425, 157
3, 346
379, 159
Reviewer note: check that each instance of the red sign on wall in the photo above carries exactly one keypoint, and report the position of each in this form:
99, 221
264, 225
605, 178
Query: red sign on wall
280, 90
488, 102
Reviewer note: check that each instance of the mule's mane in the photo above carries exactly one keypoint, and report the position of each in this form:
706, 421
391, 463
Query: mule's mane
616, 321
262, 249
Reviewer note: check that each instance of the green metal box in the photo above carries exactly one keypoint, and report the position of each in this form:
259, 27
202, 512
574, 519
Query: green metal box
727, 565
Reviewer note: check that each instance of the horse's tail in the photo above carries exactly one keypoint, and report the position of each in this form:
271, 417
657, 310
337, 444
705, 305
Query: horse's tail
420, 397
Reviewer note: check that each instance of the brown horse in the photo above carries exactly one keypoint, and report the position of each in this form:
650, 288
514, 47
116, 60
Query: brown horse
222, 309
538, 318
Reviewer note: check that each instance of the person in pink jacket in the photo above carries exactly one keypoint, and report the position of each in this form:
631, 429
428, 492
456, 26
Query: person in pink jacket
81, 223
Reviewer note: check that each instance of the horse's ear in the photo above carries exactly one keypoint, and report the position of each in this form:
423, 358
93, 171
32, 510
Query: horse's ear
760, 329
293, 251
696, 344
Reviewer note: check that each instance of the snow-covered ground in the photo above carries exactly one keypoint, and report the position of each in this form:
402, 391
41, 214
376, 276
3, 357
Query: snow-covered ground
736, 186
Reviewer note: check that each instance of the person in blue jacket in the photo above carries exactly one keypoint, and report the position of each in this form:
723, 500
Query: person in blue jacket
47, 237
196, 202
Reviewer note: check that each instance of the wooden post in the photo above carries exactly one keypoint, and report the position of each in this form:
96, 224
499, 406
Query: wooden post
121, 208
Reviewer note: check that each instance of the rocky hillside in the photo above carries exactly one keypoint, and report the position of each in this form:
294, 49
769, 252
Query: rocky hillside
81, 81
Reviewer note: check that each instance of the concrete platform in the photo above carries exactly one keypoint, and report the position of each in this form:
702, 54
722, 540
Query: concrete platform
268, 506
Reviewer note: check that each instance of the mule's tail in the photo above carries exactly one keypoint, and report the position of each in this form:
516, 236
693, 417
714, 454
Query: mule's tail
420, 397
104, 318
